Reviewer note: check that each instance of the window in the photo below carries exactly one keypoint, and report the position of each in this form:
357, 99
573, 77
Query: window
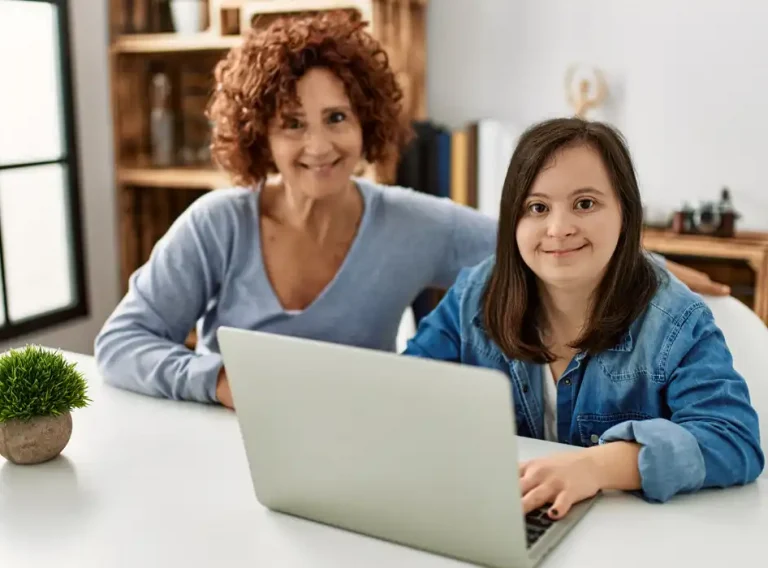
42, 266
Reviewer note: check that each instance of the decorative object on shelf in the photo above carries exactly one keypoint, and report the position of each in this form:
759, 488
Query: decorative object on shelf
590, 90
39, 389
142, 17
188, 16
717, 219
194, 88
656, 217
262, 12
161, 121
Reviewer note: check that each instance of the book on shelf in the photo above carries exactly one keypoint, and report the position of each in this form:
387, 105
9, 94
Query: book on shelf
467, 164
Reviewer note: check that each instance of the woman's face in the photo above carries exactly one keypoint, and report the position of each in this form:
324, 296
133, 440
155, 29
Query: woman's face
317, 145
571, 220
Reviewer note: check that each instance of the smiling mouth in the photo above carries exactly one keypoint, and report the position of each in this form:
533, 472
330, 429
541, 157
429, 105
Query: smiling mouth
564, 252
320, 168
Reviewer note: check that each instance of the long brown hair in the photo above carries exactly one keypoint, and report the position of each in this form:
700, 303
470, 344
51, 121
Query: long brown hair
511, 303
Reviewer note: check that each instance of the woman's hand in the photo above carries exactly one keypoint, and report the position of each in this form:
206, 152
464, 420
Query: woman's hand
561, 480
697, 281
223, 392
570, 477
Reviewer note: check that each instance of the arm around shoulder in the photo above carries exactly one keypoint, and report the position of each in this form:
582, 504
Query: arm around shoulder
141, 345
471, 238
712, 437
439, 333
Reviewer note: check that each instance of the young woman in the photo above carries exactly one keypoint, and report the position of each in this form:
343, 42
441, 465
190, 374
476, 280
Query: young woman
603, 349
319, 253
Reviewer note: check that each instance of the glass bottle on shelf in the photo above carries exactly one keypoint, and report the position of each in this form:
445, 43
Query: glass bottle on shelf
726, 204
728, 214
161, 121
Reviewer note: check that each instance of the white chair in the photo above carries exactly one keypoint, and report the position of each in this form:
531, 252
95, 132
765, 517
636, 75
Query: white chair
747, 338
406, 330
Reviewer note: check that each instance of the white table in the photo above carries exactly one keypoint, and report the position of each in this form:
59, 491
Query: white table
153, 483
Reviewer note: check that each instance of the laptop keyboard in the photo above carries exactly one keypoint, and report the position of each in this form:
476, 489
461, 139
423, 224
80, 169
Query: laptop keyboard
536, 524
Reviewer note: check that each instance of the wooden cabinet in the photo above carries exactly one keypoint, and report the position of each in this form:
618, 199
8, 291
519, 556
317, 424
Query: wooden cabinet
143, 45
741, 261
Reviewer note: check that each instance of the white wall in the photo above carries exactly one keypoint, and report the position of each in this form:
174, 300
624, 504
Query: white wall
688, 80
89, 49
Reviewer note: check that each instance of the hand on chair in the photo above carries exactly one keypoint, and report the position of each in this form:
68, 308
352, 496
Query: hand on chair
697, 281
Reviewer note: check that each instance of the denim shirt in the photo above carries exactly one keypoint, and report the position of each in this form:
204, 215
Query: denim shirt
668, 385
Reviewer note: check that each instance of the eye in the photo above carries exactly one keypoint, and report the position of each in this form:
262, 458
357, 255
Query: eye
336, 117
291, 123
537, 208
585, 204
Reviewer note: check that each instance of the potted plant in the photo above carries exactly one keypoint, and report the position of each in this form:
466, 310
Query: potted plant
38, 390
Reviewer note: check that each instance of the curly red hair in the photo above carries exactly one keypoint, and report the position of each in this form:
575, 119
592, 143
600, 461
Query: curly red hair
257, 80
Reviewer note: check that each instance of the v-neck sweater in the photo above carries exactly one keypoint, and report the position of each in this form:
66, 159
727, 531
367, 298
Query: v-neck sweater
208, 271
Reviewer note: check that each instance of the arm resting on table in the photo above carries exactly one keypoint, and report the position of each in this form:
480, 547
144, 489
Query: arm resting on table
141, 346
712, 437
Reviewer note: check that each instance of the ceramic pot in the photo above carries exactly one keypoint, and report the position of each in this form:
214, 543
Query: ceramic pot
187, 16
34, 441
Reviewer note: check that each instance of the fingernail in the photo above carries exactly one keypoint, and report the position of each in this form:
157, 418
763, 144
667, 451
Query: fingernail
553, 512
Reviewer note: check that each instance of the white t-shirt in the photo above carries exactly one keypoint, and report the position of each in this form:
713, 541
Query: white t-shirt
550, 403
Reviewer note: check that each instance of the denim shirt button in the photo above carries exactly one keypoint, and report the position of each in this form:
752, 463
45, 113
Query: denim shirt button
525, 389
594, 438
567, 381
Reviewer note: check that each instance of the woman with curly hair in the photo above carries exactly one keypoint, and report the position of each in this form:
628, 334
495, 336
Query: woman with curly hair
313, 252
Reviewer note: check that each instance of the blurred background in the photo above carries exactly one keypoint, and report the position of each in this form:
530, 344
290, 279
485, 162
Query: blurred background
104, 142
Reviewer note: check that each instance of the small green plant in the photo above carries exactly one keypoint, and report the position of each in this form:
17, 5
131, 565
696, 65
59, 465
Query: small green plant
38, 382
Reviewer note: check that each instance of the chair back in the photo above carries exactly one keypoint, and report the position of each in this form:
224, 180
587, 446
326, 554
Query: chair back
747, 339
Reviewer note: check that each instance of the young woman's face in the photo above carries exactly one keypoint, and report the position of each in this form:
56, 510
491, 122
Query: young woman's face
317, 145
571, 220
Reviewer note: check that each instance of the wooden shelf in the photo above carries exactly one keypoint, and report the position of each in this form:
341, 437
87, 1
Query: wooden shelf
170, 42
181, 178
749, 247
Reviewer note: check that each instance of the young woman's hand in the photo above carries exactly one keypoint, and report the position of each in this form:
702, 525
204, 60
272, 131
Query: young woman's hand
562, 480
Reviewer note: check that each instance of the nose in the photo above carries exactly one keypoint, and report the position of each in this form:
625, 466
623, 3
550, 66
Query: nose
560, 224
317, 142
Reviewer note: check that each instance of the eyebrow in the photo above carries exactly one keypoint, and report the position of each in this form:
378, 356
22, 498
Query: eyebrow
326, 110
574, 193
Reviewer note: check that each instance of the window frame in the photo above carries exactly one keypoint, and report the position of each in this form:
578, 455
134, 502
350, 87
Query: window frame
70, 160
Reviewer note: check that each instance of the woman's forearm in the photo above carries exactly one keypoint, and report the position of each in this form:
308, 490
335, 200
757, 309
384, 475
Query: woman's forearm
616, 465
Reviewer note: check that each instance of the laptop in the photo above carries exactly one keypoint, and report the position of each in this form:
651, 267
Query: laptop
412, 451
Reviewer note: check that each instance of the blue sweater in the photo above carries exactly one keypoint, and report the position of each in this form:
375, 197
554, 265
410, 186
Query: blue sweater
207, 271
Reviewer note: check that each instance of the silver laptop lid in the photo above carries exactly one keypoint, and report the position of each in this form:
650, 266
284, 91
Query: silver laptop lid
409, 450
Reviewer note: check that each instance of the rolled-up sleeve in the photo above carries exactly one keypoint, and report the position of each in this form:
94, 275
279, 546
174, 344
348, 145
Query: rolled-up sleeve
712, 437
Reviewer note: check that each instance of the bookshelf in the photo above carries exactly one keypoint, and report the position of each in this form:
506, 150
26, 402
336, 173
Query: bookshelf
144, 43
176, 178
171, 42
